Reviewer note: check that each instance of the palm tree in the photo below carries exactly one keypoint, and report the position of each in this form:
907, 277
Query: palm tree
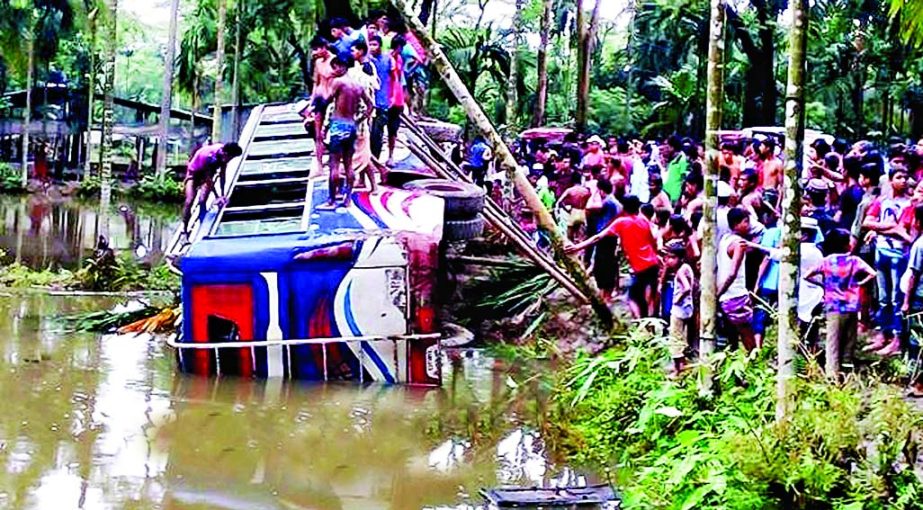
513, 84
714, 106
105, 188
235, 80
167, 97
27, 120
40, 24
219, 72
542, 93
910, 13
585, 40
92, 15
789, 330
198, 39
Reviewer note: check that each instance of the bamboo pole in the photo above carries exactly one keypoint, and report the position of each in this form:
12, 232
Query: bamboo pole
789, 331
441, 64
714, 109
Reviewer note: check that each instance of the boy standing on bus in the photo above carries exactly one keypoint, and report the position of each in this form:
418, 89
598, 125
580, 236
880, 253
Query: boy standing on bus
346, 97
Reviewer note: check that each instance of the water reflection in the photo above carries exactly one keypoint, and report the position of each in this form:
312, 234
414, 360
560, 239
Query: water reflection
42, 230
106, 423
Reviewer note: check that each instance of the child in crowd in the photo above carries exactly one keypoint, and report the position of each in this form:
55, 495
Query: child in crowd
681, 307
841, 274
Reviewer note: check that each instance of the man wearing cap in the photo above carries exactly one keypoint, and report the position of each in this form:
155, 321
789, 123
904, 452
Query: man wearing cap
594, 157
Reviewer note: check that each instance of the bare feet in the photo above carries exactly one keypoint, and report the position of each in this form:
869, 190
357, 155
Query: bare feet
891, 349
915, 390
877, 344
327, 206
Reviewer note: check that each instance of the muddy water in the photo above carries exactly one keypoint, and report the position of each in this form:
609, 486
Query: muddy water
50, 231
105, 422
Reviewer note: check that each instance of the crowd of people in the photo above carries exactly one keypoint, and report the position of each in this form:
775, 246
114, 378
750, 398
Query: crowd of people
642, 202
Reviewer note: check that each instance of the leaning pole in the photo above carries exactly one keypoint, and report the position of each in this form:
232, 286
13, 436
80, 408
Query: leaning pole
507, 162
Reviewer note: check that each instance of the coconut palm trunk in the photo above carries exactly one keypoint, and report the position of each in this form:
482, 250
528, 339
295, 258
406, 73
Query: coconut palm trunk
106, 146
541, 92
585, 50
91, 95
235, 80
27, 120
789, 331
166, 99
219, 78
512, 99
505, 160
714, 107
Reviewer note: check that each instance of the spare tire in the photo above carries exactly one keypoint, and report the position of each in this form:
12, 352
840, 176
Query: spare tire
463, 230
463, 201
400, 178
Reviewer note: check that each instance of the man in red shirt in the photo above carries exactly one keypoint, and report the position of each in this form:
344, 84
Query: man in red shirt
637, 240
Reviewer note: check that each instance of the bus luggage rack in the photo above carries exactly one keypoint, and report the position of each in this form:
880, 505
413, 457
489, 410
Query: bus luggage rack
324, 343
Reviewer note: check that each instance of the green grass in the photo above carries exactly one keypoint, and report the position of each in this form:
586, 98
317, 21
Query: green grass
848, 446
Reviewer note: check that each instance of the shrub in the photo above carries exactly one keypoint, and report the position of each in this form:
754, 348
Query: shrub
159, 188
849, 446
89, 187
10, 178
125, 273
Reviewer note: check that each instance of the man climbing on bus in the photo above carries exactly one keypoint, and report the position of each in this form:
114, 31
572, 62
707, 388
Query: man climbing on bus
208, 162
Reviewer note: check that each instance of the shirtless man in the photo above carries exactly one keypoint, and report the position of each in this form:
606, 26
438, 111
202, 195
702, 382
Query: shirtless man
574, 202
320, 96
751, 199
207, 163
770, 169
734, 164
346, 95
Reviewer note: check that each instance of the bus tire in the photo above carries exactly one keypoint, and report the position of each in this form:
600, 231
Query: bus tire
463, 201
463, 230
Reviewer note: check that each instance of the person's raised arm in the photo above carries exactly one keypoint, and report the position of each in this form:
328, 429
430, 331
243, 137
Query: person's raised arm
589, 242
